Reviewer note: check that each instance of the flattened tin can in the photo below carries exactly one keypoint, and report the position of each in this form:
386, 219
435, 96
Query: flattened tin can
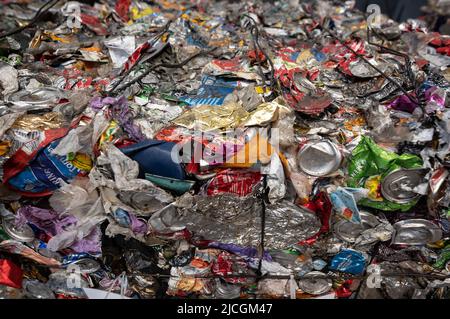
397, 186
45, 97
348, 231
226, 290
319, 158
416, 232
315, 283
35, 289
150, 200
87, 265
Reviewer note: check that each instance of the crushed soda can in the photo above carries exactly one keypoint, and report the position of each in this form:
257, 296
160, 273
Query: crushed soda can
223, 150
416, 232
349, 231
319, 158
398, 186
315, 283
23, 233
35, 289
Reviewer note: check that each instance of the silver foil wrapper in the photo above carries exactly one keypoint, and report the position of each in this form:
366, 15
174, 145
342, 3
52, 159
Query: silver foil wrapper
238, 220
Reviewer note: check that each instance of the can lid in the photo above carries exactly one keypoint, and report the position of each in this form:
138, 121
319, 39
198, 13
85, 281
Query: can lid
416, 232
349, 231
23, 234
319, 158
227, 291
397, 186
315, 283
42, 97
87, 265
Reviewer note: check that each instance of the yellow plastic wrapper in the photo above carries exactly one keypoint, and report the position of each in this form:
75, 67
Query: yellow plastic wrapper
82, 162
137, 14
373, 185
108, 134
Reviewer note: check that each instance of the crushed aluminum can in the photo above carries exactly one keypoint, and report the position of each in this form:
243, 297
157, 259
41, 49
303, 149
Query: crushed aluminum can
226, 290
397, 186
286, 224
23, 234
145, 201
319, 158
416, 232
315, 283
35, 289
87, 265
348, 231
437, 180
42, 98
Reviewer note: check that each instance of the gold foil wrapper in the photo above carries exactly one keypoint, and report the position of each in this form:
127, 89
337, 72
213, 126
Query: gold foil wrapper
264, 114
50, 120
4, 147
208, 118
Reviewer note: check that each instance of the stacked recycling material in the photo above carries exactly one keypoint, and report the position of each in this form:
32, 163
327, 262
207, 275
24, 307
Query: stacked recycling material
222, 149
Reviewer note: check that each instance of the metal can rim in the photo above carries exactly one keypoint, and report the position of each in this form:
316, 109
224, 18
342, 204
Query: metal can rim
337, 162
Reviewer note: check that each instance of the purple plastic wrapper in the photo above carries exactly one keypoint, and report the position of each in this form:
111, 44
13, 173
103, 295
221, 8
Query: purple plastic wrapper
238, 250
138, 226
120, 112
432, 96
435, 97
90, 244
403, 103
129, 220
47, 220
53, 224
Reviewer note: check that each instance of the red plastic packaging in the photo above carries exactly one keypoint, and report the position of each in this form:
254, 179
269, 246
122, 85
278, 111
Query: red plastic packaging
10, 274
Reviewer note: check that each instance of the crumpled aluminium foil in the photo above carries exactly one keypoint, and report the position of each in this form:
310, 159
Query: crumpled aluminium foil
238, 220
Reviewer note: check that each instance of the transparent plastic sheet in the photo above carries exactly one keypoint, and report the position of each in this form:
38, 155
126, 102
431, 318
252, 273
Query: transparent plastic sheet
381, 232
125, 172
77, 140
246, 96
120, 48
78, 101
383, 127
156, 117
397, 287
275, 178
75, 198
84, 227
